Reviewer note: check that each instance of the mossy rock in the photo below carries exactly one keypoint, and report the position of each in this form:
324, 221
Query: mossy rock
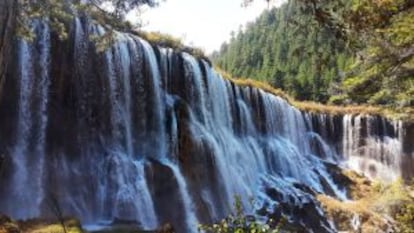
7, 225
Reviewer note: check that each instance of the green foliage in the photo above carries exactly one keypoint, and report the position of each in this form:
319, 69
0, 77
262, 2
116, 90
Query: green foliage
289, 49
384, 73
103, 42
169, 41
391, 197
405, 218
405, 215
338, 99
53, 11
358, 51
238, 222
381, 97
58, 14
122, 7
377, 204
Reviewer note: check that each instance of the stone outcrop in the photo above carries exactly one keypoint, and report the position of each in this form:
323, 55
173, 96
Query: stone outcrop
8, 12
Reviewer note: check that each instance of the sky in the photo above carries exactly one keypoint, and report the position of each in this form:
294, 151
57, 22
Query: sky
202, 23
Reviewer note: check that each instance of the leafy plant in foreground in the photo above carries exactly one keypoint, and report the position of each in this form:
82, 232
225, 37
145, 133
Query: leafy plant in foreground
239, 222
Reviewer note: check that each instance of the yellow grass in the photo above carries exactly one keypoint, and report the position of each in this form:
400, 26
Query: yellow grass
166, 40
45, 226
342, 214
371, 201
406, 113
246, 82
55, 228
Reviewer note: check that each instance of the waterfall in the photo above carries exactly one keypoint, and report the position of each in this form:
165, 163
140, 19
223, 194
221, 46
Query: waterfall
370, 149
28, 154
191, 218
23, 128
149, 135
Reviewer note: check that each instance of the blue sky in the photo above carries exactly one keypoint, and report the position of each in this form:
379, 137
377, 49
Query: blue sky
202, 23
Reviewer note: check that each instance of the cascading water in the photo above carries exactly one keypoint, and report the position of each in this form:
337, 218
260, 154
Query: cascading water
29, 150
191, 219
148, 135
132, 200
370, 148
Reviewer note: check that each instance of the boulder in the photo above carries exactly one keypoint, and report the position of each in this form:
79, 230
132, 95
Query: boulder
166, 228
7, 225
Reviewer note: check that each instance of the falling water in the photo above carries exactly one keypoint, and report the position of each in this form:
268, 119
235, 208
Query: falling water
42, 98
149, 130
157, 133
20, 177
133, 200
374, 153
29, 151
191, 218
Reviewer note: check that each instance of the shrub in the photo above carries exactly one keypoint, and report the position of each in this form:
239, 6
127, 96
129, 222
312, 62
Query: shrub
405, 218
238, 222
338, 99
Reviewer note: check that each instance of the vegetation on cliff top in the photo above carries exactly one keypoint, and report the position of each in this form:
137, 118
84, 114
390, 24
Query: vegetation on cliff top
399, 113
287, 48
330, 51
279, 49
169, 41
59, 13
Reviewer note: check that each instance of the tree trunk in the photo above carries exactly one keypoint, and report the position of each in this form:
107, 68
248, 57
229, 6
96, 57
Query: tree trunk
8, 12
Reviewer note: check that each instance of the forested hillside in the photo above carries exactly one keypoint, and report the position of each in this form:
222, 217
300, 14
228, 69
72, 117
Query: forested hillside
368, 60
277, 48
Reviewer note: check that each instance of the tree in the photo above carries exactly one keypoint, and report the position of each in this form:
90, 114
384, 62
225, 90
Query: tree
58, 13
121, 7
361, 50
287, 48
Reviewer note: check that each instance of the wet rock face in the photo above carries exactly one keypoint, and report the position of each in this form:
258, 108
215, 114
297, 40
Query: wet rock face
197, 160
305, 213
8, 88
7, 225
341, 180
408, 149
145, 134
166, 228
166, 196
8, 9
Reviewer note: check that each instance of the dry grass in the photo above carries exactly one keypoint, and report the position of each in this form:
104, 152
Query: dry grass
50, 226
373, 202
342, 214
360, 186
246, 82
55, 228
45, 226
169, 41
337, 110
405, 114
38, 226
